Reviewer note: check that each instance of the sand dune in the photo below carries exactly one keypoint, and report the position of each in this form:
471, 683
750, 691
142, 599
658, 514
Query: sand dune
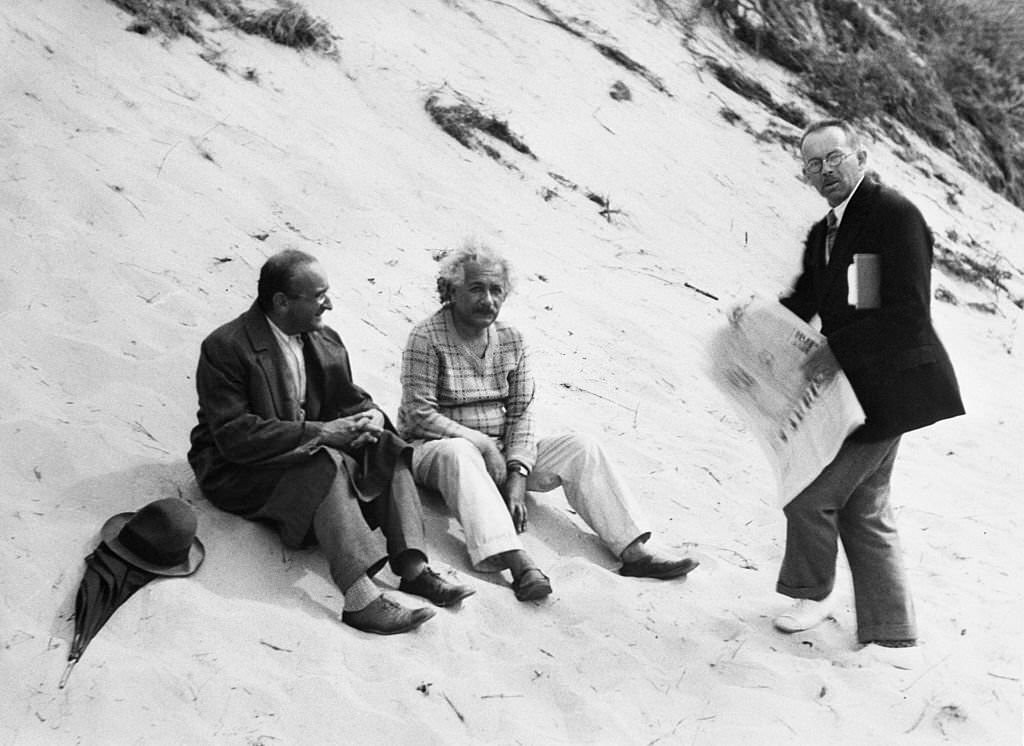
143, 188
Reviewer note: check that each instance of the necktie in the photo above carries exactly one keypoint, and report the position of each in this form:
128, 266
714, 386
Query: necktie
312, 379
830, 234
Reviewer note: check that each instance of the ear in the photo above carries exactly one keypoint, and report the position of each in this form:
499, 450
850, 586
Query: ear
279, 301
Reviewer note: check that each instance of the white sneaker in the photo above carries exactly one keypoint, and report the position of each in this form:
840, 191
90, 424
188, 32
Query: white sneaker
804, 614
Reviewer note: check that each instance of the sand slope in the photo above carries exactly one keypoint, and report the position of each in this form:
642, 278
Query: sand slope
143, 188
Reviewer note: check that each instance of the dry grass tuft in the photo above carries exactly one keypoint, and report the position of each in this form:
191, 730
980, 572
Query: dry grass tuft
749, 88
289, 23
463, 121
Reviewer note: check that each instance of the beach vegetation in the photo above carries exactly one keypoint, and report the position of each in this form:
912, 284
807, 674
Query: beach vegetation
951, 71
287, 22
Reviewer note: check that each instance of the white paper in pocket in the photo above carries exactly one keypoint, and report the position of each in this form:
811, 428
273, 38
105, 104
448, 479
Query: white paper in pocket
864, 281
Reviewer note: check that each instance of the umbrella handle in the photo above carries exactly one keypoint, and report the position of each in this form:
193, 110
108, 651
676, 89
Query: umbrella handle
67, 672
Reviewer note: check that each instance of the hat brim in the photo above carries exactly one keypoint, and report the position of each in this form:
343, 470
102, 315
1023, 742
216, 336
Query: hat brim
109, 534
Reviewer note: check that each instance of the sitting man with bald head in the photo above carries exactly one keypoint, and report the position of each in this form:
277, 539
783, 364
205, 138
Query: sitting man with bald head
285, 437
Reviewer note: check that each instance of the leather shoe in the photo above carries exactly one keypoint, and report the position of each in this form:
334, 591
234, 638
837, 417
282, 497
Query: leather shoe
385, 617
531, 585
804, 614
650, 567
431, 586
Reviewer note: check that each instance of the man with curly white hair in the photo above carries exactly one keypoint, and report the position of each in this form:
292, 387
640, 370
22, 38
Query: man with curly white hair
467, 395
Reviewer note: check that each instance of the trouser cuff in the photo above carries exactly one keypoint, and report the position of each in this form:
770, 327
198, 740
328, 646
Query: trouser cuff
814, 593
886, 632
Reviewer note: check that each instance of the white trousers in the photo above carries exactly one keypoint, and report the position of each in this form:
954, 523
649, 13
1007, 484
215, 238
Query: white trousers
577, 463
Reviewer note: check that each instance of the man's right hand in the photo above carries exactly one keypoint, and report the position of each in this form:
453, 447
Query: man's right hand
349, 433
494, 460
820, 366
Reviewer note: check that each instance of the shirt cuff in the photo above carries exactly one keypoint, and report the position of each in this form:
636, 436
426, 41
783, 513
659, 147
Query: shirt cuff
523, 456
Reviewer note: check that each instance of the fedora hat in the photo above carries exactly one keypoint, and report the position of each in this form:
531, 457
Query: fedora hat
160, 538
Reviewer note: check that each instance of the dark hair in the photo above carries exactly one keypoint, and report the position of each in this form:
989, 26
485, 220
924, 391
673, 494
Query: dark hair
277, 273
452, 272
852, 136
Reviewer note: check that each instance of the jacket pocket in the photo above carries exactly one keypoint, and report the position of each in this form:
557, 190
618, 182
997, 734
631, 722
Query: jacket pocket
914, 357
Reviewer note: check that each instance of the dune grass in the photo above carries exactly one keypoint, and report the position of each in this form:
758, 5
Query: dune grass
292, 25
288, 23
464, 122
950, 70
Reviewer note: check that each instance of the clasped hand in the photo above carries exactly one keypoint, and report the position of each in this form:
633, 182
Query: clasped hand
355, 431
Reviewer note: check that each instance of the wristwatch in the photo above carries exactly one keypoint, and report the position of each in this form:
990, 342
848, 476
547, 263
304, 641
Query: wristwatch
518, 468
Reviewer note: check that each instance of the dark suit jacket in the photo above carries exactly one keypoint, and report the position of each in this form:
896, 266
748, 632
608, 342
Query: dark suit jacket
250, 433
895, 362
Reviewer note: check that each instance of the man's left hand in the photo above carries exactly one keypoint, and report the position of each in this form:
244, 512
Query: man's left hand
375, 420
371, 424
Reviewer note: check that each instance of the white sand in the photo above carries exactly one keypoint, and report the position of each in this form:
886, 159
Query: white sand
141, 191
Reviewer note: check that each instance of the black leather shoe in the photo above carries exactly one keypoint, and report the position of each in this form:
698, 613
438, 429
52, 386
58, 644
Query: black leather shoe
431, 586
531, 585
385, 617
648, 567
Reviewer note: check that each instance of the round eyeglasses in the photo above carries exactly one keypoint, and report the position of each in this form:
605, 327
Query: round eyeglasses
814, 165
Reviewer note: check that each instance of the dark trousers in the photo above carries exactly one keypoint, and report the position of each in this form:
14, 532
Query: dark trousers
849, 500
342, 527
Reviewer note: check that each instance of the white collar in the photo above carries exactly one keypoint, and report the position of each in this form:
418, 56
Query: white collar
289, 340
841, 207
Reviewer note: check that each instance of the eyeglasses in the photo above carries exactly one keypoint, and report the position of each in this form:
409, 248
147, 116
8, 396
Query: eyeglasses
833, 160
319, 298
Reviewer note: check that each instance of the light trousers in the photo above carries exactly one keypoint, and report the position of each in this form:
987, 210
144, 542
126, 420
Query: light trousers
849, 500
577, 463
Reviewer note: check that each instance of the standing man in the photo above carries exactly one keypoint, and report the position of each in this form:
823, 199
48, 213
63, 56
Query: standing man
467, 395
286, 438
866, 274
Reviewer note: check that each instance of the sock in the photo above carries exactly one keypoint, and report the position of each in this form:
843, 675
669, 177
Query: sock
360, 594
409, 565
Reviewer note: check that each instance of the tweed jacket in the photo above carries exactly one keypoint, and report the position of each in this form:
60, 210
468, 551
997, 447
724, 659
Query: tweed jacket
250, 430
892, 355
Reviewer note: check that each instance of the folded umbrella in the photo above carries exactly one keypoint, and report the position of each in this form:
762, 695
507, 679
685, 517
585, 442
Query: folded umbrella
158, 540
108, 582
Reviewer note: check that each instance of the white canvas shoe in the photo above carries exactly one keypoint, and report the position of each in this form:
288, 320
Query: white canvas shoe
804, 614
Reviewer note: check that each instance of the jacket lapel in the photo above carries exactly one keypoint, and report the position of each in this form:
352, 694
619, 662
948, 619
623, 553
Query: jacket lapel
847, 237
316, 387
268, 357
